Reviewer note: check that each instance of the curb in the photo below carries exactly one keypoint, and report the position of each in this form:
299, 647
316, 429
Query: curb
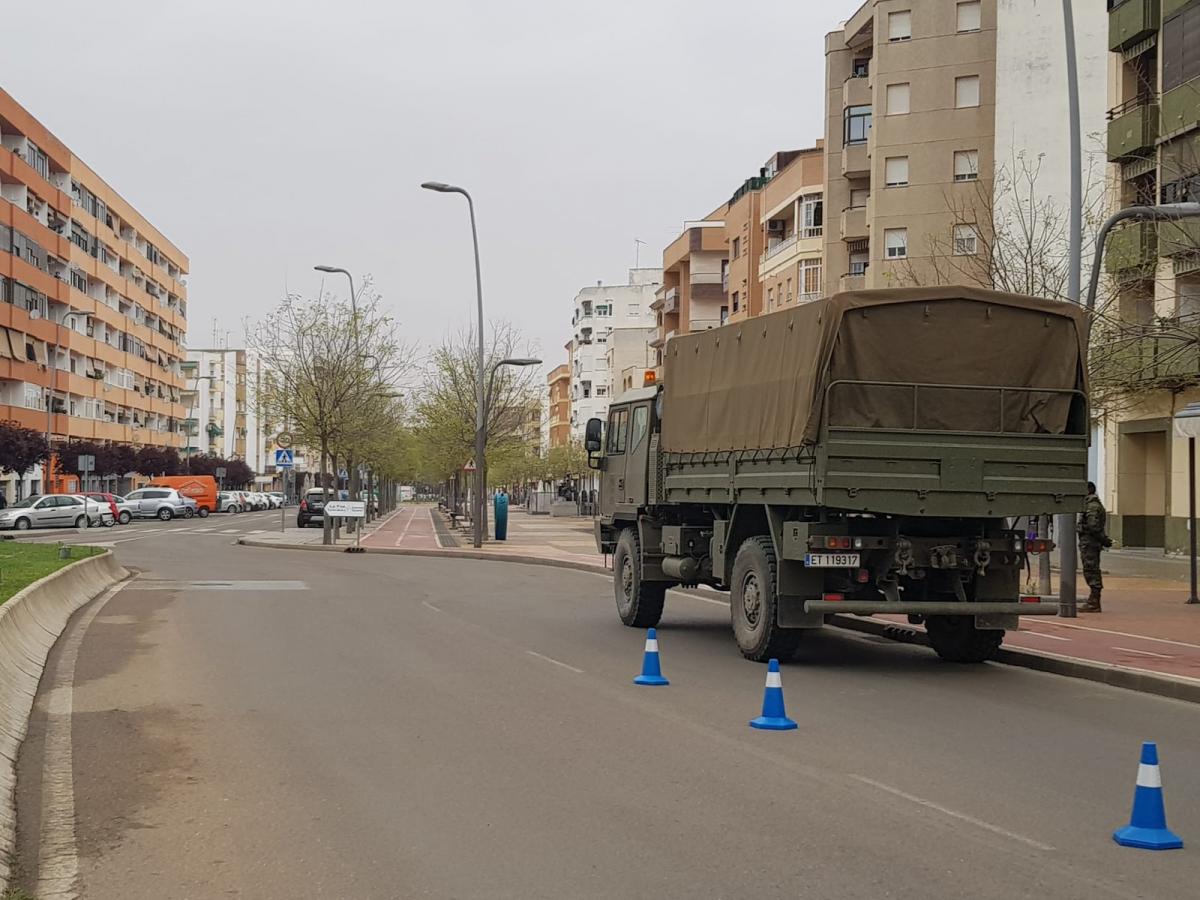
30, 623
1103, 673
449, 552
1140, 680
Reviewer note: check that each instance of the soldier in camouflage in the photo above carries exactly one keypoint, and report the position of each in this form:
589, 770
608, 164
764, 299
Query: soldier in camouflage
1092, 539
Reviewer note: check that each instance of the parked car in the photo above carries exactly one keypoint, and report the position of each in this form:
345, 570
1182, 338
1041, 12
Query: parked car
124, 509
160, 503
261, 500
279, 498
99, 512
109, 499
46, 511
312, 508
229, 501
191, 507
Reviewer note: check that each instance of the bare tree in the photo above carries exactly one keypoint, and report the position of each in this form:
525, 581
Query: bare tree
316, 378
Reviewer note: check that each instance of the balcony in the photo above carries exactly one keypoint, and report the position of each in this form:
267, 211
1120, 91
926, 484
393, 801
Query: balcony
1180, 238
852, 282
854, 223
1181, 108
1130, 21
703, 324
1165, 354
1132, 127
856, 91
1132, 248
670, 300
856, 160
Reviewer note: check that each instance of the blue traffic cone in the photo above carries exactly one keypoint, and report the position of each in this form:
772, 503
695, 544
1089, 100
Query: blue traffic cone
651, 672
773, 717
1147, 827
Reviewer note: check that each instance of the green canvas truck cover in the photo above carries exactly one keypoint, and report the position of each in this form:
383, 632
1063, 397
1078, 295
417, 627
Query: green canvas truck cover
761, 383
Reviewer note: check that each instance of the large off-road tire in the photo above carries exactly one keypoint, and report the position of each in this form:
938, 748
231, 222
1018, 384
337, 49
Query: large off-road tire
754, 604
639, 603
956, 639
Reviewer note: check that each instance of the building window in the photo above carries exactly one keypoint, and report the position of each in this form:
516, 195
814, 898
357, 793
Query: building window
968, 16
724, 314
812, 215
789, 290
966, 240
857, 124
1181, 47
895, 171
895, 242
770, 298
633, 310
897, 99
860, 68
737, 248
966, 91
859, 197
37, 159
1182, 190
859, 260
812, 280
966, 165
736, 304
900, 25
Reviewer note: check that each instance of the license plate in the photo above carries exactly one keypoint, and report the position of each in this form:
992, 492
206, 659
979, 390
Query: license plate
832, 560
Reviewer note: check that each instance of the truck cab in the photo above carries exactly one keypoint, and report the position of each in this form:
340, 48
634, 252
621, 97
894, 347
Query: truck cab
632, 424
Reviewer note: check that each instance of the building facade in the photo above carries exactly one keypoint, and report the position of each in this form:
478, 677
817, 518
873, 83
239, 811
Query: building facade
598, 312
1146, 355
220, 394
558, 418
792, 222
94, 301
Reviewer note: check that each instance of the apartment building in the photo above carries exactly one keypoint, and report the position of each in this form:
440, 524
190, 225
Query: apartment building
600, 310
94, 299
1145, 359
558, 419
792, 224
692, 294
932, 107
220, 394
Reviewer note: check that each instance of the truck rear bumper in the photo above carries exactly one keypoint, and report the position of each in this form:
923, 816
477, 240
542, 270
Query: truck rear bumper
987, 607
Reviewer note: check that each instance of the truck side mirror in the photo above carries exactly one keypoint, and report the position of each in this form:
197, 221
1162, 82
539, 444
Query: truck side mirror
592, 436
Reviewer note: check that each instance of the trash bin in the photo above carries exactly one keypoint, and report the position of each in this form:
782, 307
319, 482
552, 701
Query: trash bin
501, 507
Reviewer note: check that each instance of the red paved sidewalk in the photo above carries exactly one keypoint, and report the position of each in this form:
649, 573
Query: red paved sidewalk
410, 527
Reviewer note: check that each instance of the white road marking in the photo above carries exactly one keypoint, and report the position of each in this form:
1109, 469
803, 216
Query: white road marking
231, 531
1042, 634
407, 525
1136, 637
58, 856
962, 817
555, 661
436, 535
149, 584
1143, 652
430, 606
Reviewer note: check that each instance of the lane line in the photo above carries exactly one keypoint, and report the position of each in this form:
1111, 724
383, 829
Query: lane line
1143, 652
962, 817
437, 537
1042, 634
430, 606
555, 661
58, 855
1136, 637
407, 525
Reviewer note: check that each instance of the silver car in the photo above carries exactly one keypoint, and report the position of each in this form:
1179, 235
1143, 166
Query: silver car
229, 501
156, 503
49, 511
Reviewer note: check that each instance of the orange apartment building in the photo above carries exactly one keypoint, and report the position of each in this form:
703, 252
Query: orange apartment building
559, 382
94, 304
753, 254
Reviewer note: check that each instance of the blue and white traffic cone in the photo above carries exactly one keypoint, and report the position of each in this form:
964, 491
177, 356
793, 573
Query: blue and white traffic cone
773, 717
651, 672
1147, 828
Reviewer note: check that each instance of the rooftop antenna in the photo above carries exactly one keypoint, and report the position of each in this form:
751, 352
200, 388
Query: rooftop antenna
637, 252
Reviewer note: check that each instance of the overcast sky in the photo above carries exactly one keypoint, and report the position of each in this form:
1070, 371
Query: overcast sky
263, 137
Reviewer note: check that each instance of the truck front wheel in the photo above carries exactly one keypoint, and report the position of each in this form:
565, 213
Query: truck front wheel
639, 603
956, 639
754, 604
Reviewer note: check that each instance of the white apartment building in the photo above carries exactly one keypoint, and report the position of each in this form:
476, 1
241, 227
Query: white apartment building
599, 312
221, 399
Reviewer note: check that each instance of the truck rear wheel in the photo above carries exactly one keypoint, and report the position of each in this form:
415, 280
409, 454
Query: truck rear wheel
754, 604
956, 639
639, 603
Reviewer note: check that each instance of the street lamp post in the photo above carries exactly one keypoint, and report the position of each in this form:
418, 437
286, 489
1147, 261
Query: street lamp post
1187, 424
480, 399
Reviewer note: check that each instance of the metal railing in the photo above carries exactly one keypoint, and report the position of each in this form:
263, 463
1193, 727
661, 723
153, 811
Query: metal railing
1129, 106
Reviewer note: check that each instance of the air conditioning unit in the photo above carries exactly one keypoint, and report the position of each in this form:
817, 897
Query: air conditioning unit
776, 226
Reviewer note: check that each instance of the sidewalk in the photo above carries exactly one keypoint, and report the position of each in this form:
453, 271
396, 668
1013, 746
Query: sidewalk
1145, 626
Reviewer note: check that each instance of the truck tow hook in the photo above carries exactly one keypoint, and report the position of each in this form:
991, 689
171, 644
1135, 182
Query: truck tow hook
904, 556
983, 556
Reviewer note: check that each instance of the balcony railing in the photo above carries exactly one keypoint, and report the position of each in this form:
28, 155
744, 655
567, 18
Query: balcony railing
1129, 21
1165, 353
1132, 127
1132, 248
780, 246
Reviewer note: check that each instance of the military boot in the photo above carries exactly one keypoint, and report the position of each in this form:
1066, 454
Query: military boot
1092, 604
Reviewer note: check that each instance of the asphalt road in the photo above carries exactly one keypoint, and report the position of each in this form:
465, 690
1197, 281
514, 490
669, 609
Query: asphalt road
270, 723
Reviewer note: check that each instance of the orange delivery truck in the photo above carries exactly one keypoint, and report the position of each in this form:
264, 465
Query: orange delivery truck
201, 488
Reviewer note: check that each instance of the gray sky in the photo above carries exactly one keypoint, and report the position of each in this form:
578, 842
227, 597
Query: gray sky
263, 137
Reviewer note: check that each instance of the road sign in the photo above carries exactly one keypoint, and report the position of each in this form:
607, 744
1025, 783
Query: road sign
346, 509
283, 439
284, 459
87, 464
219, 471
469, 467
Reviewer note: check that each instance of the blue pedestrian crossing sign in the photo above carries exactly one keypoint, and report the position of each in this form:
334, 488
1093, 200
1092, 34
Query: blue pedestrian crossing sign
283, 459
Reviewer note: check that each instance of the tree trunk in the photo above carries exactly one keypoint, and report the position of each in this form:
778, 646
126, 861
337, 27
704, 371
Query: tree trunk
325, 522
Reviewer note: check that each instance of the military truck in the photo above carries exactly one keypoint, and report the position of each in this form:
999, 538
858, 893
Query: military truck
864, 454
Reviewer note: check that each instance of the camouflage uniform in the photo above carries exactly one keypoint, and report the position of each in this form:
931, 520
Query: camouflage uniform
1092, 539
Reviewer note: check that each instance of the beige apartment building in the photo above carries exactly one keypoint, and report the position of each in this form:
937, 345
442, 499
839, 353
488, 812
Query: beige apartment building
558, 387
1146, 355
792, 225
692, 295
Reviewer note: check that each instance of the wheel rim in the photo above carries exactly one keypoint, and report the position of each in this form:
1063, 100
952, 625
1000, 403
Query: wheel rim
22, 524
751, 599
625, 601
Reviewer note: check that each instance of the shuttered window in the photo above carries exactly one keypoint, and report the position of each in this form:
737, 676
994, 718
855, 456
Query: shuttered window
1181, 47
